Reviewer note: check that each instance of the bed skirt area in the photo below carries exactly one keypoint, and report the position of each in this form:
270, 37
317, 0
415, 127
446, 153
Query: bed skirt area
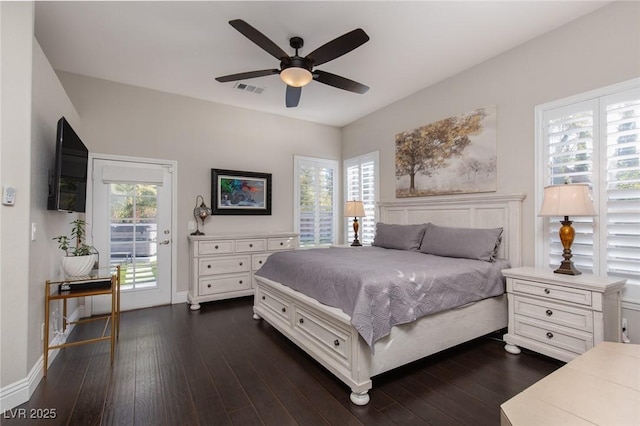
326, 333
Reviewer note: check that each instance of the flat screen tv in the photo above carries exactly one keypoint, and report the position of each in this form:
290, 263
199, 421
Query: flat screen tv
68, 179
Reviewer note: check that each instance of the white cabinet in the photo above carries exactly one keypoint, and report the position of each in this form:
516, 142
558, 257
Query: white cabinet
561, 316
222, 266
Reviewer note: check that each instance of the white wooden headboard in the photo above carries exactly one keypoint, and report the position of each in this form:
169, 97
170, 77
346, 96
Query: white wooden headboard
465, 211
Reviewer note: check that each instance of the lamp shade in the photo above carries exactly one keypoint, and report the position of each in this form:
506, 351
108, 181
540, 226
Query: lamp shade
354, 209
572, 199
296, 76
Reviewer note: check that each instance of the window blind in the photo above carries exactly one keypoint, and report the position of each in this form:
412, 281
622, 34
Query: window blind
597, 141
361, 183
316, 201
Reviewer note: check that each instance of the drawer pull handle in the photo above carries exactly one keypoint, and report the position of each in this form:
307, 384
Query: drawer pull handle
260, 262
336, 342
549, 312
209, 285
264, 297
281, 243
301, 320
240, 264
549, 335
209, 266
547, 291
250, 245
216, 247
284, 310
240, 282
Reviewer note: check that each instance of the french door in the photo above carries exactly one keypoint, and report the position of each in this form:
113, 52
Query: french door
132, 227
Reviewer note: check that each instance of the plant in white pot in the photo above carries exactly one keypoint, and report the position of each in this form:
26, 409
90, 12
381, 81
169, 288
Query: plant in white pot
80, 258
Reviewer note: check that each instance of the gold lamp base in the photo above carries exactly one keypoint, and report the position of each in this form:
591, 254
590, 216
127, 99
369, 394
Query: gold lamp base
356, 242
567, 234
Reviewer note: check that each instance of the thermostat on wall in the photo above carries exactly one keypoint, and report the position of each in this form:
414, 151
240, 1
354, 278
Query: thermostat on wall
8, 195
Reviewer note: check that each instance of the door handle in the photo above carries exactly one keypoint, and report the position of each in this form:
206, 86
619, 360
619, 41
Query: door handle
165, 242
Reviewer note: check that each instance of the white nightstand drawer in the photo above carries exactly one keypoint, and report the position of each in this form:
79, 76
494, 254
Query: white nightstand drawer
225, 283
281, 243
581, 319
215, 247
247, 246
550, 291
225, 265
257, 260
550, 334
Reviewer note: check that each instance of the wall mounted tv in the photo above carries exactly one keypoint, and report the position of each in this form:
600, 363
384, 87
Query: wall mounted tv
68, 179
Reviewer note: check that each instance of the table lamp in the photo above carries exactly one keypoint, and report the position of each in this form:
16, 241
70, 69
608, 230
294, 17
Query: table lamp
200, 212
354, 209
571, 199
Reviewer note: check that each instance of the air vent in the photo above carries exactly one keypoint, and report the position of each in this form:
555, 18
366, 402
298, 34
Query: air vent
249, 88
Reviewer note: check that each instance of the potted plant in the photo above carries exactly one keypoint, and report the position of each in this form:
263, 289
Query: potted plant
79, 258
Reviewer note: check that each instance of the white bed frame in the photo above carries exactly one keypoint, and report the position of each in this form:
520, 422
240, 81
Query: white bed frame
327, 335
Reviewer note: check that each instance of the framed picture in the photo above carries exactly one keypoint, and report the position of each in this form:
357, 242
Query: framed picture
234, 192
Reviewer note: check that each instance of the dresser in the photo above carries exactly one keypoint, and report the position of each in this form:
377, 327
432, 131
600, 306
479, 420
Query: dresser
222, 266
561, 316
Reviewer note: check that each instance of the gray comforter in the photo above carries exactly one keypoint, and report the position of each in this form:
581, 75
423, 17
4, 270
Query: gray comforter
379, 288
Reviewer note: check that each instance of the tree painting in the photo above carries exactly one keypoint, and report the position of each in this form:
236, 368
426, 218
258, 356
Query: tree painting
454, 155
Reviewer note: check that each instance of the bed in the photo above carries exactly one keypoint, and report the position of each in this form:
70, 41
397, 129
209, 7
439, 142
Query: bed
329, 335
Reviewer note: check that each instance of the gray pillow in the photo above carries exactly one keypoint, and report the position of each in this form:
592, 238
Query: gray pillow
399, 237
469, 243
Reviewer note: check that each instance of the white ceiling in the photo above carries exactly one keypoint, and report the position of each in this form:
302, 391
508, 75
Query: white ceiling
180, 47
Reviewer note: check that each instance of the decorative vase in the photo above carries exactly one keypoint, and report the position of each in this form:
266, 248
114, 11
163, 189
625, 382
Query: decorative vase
75, 266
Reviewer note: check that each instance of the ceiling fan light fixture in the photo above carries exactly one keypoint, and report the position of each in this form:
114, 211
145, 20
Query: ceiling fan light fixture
296, 76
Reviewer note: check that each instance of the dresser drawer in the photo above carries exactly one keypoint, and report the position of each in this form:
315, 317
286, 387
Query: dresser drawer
281, 243
216, 247
324, 334
223, 284
554, 292
581, 319
274, 303
555, 335
248, 246
257, 260
224, 265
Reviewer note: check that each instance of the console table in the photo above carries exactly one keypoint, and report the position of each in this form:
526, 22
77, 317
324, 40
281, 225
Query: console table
600, 387
104, 281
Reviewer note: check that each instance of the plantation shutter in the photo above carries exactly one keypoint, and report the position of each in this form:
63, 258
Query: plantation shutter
361, 184
598, 142
622, 189
316, 201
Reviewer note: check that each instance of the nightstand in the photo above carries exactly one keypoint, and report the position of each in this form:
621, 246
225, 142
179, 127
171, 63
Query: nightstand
561, 316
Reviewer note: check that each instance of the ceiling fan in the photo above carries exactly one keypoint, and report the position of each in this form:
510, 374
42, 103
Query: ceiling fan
297, 71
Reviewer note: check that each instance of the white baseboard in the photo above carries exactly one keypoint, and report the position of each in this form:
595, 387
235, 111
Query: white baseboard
179, 297
20, 391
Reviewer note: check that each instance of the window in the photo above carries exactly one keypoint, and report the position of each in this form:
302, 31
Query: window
315, 201
361, 183
595, 138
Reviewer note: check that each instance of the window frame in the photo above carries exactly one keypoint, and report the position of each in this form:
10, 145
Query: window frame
334, 164
358, 160
598, 99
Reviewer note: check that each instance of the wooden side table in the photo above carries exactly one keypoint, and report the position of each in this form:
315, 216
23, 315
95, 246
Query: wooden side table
100, 282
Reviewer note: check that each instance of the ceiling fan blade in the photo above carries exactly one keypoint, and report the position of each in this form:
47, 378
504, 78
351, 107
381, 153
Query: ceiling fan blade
258, 38
293, 96
339, 82
247, 75
338, 47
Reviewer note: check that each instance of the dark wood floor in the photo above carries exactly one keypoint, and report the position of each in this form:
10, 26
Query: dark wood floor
218, 366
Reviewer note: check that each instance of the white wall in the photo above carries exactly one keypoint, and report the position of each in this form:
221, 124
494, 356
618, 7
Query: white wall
49, 103
597, 50
16, 33
132, 121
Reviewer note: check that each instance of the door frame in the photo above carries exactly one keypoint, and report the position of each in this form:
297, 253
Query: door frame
174, 211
